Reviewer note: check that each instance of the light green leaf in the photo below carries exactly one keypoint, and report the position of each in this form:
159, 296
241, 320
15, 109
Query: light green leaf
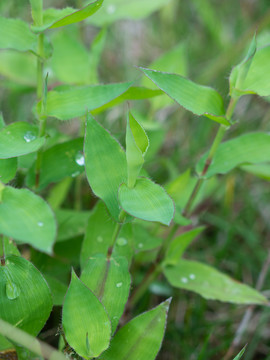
75, 102
240, 72
109, 279
2, 121
211, 283
114, 10
27, 218
178, 246
9, 248
250, 148
260, 170
136, 146
59, 192
71, 223
102, 151
96, 50
16, 34
86, 324
8, 168
199, 99
140, 338
144, 239
37, 11
240, 354
54, 18
147, 201
19, 138
25, 298
58, 162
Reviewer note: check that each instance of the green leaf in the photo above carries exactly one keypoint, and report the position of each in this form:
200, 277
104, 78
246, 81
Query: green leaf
9, 248
147, 201
140, 338
98, 236
19, 138
71, 223
37, 11
102, 151
178, 246
199, 99
86, 324
58, 162
58, 289
240, 354
96, 50
240, 72
260, 170
16, 34
8, 169
114, 10
54, 18
27, 218
25, 298
250, 148
136, 146
74, 102
109, 279
144, 239
211, 283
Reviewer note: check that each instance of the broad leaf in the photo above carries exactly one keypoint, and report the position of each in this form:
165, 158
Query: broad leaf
27, 218
260, 170
54, 18
136, 146
105, 164
71, 223
147, 201
37, 11
16, 34
8, 168
74, 102
109, 279
140, 338
200, 100
210, 283
25, 298
250, 148
19, 138
114, 10
178, 246
86, 324
58, 162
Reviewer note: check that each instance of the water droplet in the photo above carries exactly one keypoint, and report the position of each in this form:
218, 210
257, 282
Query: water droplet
8, 132
118, 285
140, 245
29, 136
122, 241
12, 290
111, 9
76, 173
184, 280
192, 276
100, 239
79, 158
40, 223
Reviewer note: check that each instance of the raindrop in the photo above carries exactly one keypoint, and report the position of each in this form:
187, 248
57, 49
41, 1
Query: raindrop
76, 173
12, 290
40, 223
111, 9
184, 280
140, 245
122, 241
29, 136
192, 276
100, 239
118, 285
79, 158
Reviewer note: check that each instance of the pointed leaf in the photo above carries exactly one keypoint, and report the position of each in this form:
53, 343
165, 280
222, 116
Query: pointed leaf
37, 11
147, 201
141, 338
199, 99
75, 102
19, 138
27, 218
250, 148
8, 168
136, 146
210, 283
260, 170
86, 324
240, 354
16, 34
109, 280
102, 151
25, 298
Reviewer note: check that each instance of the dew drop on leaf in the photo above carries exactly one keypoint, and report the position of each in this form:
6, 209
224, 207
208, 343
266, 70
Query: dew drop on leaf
140, 245
122, 241
40, 223
76, 173
29, 136
79, 158
111, 9
118, 285
184, 280
192, 276
100, 239
12, 290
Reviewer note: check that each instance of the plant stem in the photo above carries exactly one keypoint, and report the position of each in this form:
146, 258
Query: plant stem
36, 346
117, 229
2, 254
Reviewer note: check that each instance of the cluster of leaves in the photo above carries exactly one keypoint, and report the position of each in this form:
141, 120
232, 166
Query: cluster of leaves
121, 225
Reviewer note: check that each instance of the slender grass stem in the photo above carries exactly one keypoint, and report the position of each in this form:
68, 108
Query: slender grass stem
117, 229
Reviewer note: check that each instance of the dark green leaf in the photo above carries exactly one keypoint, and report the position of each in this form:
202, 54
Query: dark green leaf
71, 223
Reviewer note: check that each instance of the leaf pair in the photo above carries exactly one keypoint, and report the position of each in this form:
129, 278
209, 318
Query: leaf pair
113, 175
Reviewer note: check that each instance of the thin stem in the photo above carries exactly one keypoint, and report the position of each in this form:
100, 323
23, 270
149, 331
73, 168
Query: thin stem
2, 257
117, 229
